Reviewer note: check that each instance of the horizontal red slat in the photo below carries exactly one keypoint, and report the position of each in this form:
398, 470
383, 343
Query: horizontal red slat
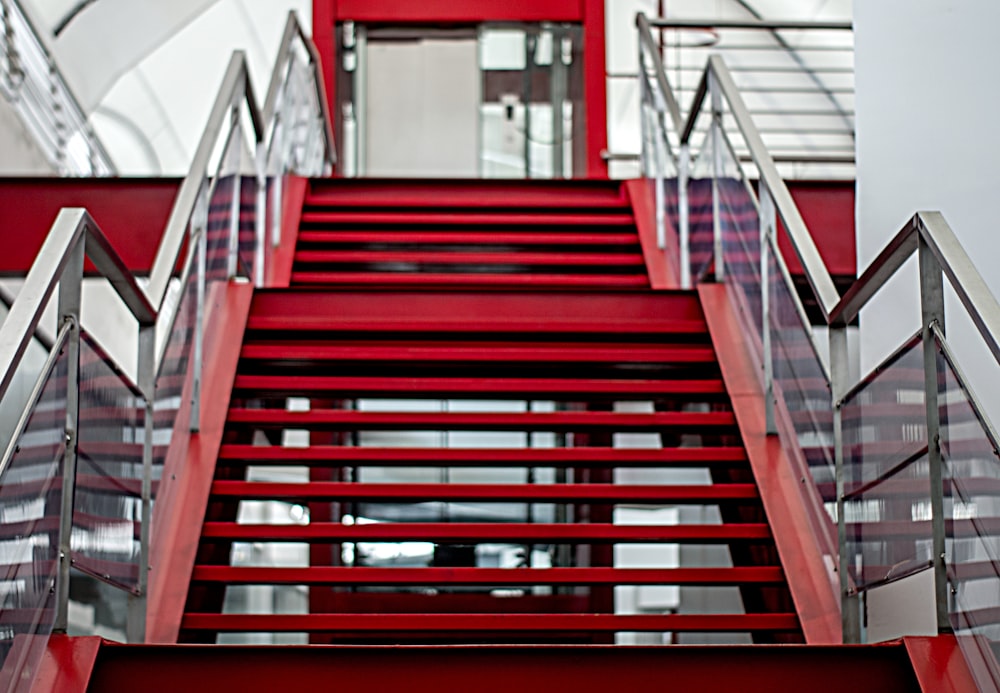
439, 421
492, 352
594, 533
519, 388
475, 457
387, 623
618, 493
453, 218
472, 278
463, 237
470, 258
464, 194
487, 576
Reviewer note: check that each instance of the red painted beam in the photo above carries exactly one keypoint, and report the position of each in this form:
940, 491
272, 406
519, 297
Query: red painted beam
661, 264
502, 669
512, 577
486, 493
589, 533
791, 509
67, 665
431, 12
483, 351
491, 623
336, 455
132, 212
279, 269
190, 467
941, 666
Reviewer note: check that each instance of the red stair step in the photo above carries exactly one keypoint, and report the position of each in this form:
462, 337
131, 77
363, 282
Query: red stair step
461, 218
472, 532
470, 278
484, 457
467, 237
470, 258
490, 623
498, 577
527, 493
440, 421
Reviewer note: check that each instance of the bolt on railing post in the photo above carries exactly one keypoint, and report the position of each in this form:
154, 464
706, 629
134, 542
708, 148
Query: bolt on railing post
766, 235
70, 293
135, 624
850, 613
717, 172
684, 214
932, 314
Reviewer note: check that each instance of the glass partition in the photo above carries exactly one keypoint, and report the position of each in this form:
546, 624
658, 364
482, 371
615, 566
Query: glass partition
107, 510
740, 228
30, 497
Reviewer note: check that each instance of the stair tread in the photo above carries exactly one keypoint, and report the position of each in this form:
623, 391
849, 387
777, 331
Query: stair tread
586, 533
471, 258
370, 420
465, 237
514, 457
542, 493
478, 218
469, 278
624, 389
591, 622
494, 352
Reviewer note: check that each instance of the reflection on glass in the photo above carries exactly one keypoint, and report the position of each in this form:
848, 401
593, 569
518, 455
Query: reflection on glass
801, 383
107, 512
30, 490
972, 494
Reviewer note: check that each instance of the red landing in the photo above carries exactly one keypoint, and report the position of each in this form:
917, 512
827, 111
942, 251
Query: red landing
342, 403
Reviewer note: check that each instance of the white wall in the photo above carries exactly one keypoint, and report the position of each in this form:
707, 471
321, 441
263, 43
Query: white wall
927, 138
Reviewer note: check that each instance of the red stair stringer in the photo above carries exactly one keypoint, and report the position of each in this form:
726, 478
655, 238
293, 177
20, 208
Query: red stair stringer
806, 555
279, 270
190, 467
663, 272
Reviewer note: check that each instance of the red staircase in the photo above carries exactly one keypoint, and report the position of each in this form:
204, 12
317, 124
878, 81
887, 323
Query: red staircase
469, 234
506, 430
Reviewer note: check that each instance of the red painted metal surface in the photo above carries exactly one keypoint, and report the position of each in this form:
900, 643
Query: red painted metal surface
511, 457
792, 512
587, 532
467, 195
68, 664
132, 213
486, 493
426, 279
279, 270
491, 623
532, 669
827, 207
940, 665
188, 471
663, 272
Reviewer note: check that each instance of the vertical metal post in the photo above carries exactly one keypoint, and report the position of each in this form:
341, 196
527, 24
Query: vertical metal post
70, 290
558, 98
850, 613
236, 134
260, 217
199, 238
717, 172
135, 625
766, 234
661, 165
684, 214
932, 314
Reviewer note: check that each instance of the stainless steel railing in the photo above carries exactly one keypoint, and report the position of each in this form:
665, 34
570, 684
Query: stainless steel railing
905, 461
115, 428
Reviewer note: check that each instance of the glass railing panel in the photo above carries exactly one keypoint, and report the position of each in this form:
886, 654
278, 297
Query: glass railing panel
107, 511
972, 492
740, 228
886, 478
30, 496
800, 382
174, 366
700, 221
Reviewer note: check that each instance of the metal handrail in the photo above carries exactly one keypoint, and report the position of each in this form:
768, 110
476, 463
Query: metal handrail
75, 236
926, 235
